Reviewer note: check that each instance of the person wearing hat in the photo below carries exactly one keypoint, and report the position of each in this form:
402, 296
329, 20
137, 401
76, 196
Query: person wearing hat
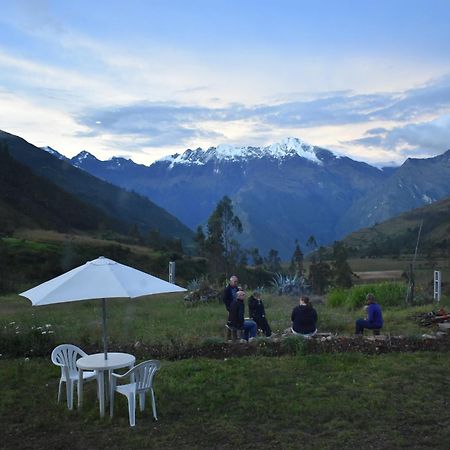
258, 314
374, 316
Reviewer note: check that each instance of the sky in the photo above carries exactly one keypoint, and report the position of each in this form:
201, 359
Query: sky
142, 79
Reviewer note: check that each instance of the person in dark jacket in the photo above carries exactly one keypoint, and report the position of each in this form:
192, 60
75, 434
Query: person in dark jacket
257, 312
374, 316
229, 293
304, 318
236, 317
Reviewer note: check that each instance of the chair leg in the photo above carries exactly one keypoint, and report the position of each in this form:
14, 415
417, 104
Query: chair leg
132, 408
59, 389
142, 400
153, 404
69, 393
111, 404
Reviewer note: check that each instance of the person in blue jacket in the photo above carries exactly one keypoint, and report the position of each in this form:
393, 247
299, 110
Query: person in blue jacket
374, 316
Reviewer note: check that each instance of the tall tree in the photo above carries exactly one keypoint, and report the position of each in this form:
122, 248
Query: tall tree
221, 247
341, 269
273, 261
319, 272
297, 260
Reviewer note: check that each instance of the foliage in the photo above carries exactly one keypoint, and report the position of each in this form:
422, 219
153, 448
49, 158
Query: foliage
320, 272
297, 260
221, 248
342, 273
290, 284
387, 294
272, 262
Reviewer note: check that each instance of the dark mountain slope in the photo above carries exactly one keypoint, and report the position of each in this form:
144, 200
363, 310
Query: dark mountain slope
31, 201
127, 207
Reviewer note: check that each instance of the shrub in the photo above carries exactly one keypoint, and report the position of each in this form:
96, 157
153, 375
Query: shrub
337, 297
387, 294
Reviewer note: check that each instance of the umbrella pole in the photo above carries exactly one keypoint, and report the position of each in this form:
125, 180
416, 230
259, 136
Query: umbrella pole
105, 334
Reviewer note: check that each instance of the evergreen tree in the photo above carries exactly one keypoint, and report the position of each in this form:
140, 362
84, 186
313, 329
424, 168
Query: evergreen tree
222, 250
319, 272
200, 238
341, 269
273, 261
297, 260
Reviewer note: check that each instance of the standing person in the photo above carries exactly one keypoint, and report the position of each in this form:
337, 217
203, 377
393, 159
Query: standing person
236, 317
229, 293
374, 316
258, 314
304, 318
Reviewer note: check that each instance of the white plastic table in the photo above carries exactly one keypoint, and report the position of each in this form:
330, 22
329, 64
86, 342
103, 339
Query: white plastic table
98, 362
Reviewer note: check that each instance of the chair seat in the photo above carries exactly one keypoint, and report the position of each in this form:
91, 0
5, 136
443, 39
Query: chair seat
87, 375
126, 389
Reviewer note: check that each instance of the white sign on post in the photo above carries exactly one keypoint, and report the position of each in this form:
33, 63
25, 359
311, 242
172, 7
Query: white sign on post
172, 272
437, 286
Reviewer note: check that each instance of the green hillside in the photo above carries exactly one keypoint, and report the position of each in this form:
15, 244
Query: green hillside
399, 235
126, 207
31, 201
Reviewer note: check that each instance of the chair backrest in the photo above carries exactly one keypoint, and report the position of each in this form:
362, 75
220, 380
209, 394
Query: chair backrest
143, 374
66, 355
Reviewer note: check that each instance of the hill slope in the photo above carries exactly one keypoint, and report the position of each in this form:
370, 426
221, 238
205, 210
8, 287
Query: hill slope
127, 207
399, 234
31, 201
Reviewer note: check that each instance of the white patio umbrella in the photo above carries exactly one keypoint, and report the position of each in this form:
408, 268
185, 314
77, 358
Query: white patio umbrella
103, 279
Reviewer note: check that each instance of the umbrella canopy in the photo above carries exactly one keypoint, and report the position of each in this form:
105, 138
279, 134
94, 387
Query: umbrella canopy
101, 278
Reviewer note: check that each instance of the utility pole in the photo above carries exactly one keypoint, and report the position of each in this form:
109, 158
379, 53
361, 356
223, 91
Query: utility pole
411, 281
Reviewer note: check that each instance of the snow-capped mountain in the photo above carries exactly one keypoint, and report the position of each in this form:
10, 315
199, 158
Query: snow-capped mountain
282, 192
55, 153
287, 148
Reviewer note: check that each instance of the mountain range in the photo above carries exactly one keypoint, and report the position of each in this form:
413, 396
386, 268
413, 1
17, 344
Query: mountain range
286, 191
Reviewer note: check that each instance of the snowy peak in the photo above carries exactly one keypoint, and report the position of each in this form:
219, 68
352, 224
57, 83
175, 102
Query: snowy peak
287, 148
83, 157
54, 153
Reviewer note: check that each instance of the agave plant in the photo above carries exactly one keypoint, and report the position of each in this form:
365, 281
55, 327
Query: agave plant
290, 284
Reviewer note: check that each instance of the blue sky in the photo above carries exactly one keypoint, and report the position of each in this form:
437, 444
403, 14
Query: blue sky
143, 79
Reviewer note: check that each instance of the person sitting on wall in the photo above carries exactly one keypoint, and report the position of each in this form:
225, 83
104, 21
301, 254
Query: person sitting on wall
258, 314
304, 318
374, 316
236, 317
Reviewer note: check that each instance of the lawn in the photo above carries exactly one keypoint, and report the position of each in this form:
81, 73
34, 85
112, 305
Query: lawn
313, 402
169, 320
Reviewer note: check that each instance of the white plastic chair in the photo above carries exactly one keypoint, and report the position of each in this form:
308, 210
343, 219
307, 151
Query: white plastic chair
141, 377
65, 356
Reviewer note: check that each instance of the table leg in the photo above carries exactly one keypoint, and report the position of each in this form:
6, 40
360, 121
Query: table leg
101, 382
80, 388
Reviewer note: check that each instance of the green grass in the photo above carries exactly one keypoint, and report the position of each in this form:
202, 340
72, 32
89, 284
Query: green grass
311, 402
164, 320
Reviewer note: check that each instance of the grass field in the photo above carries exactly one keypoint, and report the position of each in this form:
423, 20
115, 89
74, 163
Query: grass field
312, 402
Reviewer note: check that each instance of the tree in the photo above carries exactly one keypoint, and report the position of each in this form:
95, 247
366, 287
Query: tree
297, 260
258, 260
221, 248
273, 261
319, 272
200, 238
311, 243
341, 269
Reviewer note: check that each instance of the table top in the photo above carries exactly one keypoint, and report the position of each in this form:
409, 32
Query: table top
97, 361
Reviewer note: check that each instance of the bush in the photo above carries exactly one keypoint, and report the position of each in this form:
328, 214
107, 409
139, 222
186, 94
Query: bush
337, 297
387, 294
